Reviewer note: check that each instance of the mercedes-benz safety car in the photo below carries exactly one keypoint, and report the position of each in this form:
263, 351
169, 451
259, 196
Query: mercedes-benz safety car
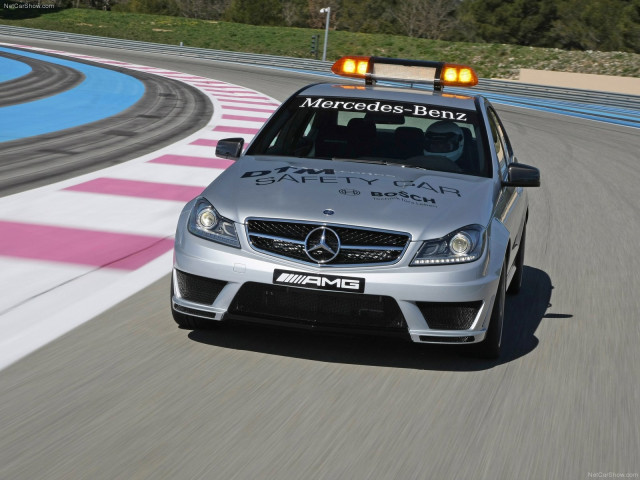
379, 209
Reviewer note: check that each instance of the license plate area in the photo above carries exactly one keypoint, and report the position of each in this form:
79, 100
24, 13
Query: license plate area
318, 281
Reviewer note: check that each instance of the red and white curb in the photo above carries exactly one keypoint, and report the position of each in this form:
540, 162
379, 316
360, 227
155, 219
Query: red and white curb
73, 249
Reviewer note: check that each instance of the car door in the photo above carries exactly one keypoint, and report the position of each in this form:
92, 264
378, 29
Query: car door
511, 206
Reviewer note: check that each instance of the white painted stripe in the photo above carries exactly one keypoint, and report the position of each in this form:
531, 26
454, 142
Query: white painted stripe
205, 151
100, 212
35, 277
164, 173
242, 124
51, 315
218, 135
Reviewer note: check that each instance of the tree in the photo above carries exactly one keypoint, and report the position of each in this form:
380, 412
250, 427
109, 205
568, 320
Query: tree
368, 16
254, 12
203, 9
631, 26
609, 25
568, 24
317, 19
426, 18
523, 22
596, 25
295, 13
157, 7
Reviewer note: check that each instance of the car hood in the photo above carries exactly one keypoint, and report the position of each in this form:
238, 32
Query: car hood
422, 203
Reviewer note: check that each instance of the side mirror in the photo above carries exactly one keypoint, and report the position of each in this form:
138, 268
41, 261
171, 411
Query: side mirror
520, 175
230, 148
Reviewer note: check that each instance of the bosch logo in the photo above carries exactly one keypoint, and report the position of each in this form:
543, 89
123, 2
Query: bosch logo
322, 245
405, 195
350, 192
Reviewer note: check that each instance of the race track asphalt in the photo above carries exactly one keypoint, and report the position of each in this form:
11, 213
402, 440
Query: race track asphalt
129, 395
168, 110
44, 79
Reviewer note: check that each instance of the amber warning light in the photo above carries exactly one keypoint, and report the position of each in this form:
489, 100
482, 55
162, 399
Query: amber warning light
438, 74
356, 67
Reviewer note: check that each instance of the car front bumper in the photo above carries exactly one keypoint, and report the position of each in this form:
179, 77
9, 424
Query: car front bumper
429, 304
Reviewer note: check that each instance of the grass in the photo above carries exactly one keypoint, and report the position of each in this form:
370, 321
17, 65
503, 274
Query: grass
490, 60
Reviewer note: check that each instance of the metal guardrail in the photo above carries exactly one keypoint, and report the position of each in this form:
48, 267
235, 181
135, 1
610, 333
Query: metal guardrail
164, 49
509, 92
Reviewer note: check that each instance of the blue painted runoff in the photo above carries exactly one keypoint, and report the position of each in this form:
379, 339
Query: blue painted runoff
11, 69
102, 94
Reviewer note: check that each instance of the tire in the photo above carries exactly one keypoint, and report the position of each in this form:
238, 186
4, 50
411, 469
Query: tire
490, 347
516, 281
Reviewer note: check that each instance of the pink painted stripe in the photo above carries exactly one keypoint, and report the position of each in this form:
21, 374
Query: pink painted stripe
249, 109
212, 83
186, 77
250, 97
204, 142
80, 247
165, 72
246, 102
220, 84
227, 88
134, 188
231, 94
187, 161
243, 118
225, 128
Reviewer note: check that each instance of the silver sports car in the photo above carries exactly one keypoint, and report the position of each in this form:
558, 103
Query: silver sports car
379, 209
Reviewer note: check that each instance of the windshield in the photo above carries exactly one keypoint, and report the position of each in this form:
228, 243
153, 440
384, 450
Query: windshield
377, 131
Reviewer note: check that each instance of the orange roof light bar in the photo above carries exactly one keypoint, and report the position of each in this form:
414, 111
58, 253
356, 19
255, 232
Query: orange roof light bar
438, 74
355, 67
458, 76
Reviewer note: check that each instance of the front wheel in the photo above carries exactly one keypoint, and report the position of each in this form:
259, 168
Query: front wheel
489, 348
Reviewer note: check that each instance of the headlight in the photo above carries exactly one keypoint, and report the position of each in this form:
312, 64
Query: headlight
206, 222
462, 246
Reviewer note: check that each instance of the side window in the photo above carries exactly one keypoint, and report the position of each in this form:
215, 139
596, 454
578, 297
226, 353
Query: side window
505, 138
499, 141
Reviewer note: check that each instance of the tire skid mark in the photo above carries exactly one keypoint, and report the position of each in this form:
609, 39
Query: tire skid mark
47, 79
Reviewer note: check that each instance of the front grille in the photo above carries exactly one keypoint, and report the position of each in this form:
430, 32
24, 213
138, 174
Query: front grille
449, 316
283, 248
314, 308
359, 246
198, 289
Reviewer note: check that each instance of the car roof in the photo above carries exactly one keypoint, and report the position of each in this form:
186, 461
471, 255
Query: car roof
389, 93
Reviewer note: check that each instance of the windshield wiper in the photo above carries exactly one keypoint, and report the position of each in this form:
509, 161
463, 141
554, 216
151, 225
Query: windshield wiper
379, 162
360, 160
406, 165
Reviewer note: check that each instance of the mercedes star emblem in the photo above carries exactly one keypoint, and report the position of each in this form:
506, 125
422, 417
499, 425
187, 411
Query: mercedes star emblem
322, 245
